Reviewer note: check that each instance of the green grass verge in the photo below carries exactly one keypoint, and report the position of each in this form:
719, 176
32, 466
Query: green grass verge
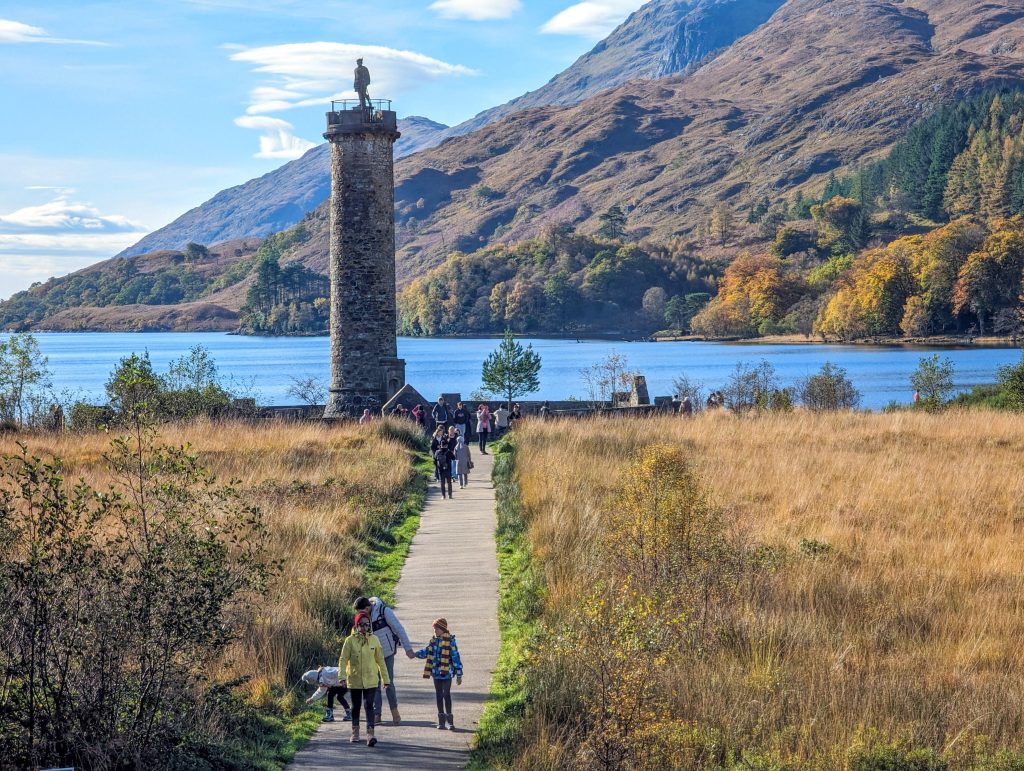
519, 611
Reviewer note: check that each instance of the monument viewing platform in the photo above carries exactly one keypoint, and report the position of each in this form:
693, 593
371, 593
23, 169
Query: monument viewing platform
347, 116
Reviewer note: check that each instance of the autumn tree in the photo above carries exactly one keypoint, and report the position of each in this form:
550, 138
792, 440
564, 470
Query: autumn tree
843, 225
991, 277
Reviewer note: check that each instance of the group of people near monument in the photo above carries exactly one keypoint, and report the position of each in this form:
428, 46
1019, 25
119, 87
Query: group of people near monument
453, 430
367, 664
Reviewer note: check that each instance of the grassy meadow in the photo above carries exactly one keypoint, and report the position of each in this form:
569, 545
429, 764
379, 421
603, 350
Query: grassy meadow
852, 600
341, 504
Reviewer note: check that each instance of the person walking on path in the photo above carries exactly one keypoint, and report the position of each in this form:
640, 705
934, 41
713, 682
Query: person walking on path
453, 438
443, 664
463, 462
435, 442
441, 414
483, 426
419, 416
443, 457
461, 418
365, 418
515, 416
501, 416
391, 634
326, 680
363, 663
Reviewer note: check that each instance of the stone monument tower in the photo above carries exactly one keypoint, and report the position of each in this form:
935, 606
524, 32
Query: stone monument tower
365, 368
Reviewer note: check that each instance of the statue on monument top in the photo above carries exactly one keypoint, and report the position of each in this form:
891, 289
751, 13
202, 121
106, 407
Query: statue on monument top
361, 84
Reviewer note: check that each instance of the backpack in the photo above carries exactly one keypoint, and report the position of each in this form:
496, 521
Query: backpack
441, 453
382, 621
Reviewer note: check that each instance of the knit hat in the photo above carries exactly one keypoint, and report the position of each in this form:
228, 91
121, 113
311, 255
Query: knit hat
442, 623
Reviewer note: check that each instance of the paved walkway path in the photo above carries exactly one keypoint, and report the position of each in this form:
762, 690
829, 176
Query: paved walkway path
452, 571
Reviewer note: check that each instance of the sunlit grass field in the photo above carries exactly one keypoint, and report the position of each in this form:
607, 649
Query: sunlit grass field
330, 497
892, 612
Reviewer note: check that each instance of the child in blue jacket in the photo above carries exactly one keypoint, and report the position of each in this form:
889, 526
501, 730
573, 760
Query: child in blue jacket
443, 664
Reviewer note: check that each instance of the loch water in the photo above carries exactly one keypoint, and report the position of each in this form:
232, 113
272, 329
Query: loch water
264, 367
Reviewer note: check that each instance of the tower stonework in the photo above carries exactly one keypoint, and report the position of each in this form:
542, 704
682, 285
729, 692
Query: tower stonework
365, 368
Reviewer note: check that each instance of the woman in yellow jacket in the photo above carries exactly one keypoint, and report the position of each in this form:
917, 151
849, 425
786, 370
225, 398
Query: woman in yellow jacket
362, 662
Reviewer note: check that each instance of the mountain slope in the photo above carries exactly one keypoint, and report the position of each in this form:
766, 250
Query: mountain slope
273, 202
660, 39
821, 85
663, 37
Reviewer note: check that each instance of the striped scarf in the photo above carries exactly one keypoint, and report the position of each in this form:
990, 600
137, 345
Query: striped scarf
443, 647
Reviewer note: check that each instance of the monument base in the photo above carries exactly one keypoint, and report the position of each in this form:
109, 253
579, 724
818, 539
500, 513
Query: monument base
350, 402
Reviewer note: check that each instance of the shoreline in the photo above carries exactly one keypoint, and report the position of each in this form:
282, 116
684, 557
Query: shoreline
945, 342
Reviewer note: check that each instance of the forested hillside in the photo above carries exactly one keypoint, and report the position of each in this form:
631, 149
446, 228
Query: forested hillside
965, 167
560, 282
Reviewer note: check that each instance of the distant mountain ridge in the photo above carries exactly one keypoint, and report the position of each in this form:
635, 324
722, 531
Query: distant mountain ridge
661, 38
273, 202
820, 85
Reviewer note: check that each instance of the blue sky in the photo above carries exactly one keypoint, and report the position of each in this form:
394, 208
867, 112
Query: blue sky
119, 116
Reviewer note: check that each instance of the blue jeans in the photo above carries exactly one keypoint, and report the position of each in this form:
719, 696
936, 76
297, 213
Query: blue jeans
389, 662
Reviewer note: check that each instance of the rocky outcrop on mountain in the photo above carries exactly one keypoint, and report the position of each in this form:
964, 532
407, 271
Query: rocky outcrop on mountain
273, 202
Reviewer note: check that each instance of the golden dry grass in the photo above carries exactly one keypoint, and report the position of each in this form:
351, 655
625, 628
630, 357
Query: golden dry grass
322, 489
912, 624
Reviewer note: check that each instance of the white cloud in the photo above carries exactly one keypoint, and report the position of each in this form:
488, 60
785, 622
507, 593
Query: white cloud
63, 216
16, 32
591, 19
312, 74
476, 10
58, 237
278, 140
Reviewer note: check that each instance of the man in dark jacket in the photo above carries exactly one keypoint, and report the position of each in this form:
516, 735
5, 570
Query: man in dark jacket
441, 414
461, 418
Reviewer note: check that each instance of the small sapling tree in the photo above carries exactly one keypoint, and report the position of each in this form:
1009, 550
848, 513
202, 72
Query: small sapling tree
829, 389
511, 370
933, 381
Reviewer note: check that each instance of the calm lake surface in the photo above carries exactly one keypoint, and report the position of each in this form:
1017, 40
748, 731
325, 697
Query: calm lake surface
264, 367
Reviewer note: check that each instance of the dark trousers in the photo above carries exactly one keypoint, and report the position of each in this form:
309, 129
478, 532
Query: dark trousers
445, 479
443, 692
336, 692
483, 439
363, 697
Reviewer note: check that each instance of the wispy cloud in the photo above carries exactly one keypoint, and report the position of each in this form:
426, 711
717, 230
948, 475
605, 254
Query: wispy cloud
476, 10
62, 216
591, 19
278, 140
310, 74
57, 237
16, 32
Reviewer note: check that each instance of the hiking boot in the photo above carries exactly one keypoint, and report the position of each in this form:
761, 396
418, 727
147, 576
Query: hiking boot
355, 733
348, 716
440, 721
451, 722
328, 716
371, 740
376, 718
395, 717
